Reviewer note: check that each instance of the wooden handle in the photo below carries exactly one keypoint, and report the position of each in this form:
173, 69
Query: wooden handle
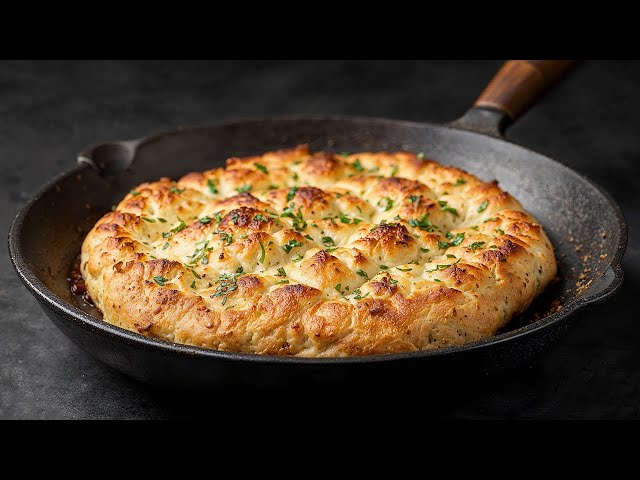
519, 83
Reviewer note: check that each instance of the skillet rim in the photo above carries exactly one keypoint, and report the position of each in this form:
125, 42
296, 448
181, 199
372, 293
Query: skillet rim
86, 321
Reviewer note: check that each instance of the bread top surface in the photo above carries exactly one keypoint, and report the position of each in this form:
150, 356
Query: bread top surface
317, 254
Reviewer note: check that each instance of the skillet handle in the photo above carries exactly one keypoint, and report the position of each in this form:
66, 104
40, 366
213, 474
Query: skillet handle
516, 86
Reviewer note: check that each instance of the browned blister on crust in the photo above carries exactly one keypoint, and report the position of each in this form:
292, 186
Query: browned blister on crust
318, 254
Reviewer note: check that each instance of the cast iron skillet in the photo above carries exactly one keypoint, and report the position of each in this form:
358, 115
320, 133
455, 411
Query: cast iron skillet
585, 225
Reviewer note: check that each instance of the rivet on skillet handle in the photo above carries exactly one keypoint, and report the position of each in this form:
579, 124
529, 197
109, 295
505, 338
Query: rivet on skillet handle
516, 86
110, 159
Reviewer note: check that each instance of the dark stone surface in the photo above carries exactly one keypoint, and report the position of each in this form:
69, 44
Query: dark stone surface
49, 110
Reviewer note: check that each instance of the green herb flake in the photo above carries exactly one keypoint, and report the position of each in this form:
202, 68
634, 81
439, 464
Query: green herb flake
446, 208
414, 198
205, 220
493, 246
499, 231
475, 227
165, 246
290, 245
357, 294
176, 190
134, 193
423, 223
162, 220
244, 189
437, 280
263, 253
328, 242
404, 269
281, 272
212, 187
493, 219
384, 267
150, 220
160, 280
193, 284
386, 203
362, 273
296, 258
262, 168
291, 194
460, 181
476, 245
357, 165
282, 281
450, 255
424, 249
483, 206
394, 170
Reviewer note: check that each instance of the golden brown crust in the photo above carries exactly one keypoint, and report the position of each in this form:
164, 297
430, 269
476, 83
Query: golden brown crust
316, 254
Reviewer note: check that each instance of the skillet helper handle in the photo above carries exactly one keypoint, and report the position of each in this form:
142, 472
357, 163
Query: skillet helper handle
519, 83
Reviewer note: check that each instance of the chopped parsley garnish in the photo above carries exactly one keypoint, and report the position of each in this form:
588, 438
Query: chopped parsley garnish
475, 227
165, 246
262, 255
181, 226
394, 170
297, 258
483, 206
205, 220
299, 223
460, 181
358, 166
160, 280
244, 189
362, 273
328, 242
195, 274
281, 272
331, 249
450, 255
338, 288
134, 193
291, 194
193, 284
446, 208
150, 220
218, 217
423, 223
414, 198
392, 281
212, 187
290, 245
404, 269
200, 253
384, 267
343, 218
273, 187
386, 203
476, 245
260, 218
493, 246
227, 284
457, 240
162, 220
344, 154
308, 237
493, 219
499, 231
282, 281
295, 177
357, 294
424, 249
176, 190
262, 168
437, 280
227, 238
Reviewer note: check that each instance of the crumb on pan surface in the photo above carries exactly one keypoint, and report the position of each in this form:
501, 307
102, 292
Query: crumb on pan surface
317, 254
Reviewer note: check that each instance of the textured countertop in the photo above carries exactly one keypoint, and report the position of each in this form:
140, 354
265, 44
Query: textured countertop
51, 109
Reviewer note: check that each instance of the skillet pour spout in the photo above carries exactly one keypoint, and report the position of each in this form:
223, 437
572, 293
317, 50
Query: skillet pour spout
44, 242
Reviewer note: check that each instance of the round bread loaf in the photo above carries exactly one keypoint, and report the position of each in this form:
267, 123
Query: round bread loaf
317, 255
